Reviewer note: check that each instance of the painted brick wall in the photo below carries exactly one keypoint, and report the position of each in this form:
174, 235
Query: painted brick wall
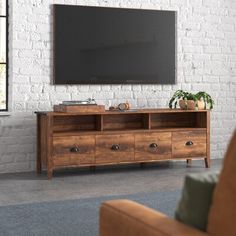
206, 61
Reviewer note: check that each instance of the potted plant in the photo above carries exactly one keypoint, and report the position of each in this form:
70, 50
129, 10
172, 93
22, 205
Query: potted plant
206, 98
190, 101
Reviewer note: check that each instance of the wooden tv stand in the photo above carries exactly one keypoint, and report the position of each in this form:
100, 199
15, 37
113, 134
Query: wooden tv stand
113, 137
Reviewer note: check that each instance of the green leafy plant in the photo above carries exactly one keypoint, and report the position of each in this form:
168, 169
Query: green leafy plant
206, 98
186, 96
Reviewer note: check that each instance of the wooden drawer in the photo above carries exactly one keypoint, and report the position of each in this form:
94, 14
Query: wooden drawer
114, 148
153, 146
73, 150
189, 144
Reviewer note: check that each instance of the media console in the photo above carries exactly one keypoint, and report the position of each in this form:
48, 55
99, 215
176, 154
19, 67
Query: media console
113, 137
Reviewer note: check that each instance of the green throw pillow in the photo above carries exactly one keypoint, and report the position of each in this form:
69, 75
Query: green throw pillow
196, 199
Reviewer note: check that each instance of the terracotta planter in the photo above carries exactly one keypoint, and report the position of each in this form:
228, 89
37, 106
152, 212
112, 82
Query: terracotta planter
191, 105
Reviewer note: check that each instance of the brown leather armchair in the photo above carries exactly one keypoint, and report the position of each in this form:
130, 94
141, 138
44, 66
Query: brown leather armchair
127, 218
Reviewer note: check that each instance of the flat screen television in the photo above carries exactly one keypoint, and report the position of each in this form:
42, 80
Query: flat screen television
101, 45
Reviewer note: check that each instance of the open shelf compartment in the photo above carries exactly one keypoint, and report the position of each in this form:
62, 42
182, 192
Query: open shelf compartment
125, 122
76, 123
178, 120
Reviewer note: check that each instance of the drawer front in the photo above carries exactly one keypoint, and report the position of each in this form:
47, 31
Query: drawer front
73, 150
189, 144
114, 148
153, 146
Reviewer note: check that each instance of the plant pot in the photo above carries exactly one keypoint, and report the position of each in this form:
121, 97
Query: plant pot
191, 105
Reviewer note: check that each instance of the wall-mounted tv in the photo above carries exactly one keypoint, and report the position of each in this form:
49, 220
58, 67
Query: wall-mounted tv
101, 45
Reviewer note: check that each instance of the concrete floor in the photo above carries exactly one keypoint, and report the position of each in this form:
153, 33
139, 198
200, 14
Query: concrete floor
80, 183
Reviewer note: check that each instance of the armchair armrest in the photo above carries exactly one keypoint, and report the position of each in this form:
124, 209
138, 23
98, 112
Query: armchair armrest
128, 218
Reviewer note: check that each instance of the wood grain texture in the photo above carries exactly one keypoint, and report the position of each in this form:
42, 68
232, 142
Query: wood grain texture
180, 147
127, 131
146, 121
63, 150
39, 144
187, 119
99, 122
144, 143
122, 121
43, 139
81, 108
201, 119
105, 152
133, 132
136, 111
75, 123
49, 139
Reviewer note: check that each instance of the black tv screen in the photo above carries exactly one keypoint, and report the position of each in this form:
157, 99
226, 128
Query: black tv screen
99, 45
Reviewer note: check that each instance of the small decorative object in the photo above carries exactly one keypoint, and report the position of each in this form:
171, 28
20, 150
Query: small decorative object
121, 107
190, 101
112, 108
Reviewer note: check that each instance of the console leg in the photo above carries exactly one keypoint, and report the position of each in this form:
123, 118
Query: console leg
142, 164
207, 162
39, 166
50, 172
38, 162
189, 161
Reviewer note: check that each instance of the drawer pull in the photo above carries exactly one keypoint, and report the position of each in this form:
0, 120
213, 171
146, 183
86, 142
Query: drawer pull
189, 143
74, 149
153, 145
115, 147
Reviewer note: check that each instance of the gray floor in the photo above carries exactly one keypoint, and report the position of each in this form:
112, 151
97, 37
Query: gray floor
82, 183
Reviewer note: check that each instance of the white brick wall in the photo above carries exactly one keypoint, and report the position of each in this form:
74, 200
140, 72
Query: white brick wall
206, 61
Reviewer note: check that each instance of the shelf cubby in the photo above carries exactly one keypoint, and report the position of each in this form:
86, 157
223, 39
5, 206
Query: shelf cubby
124, 122
178, 120
72, 123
